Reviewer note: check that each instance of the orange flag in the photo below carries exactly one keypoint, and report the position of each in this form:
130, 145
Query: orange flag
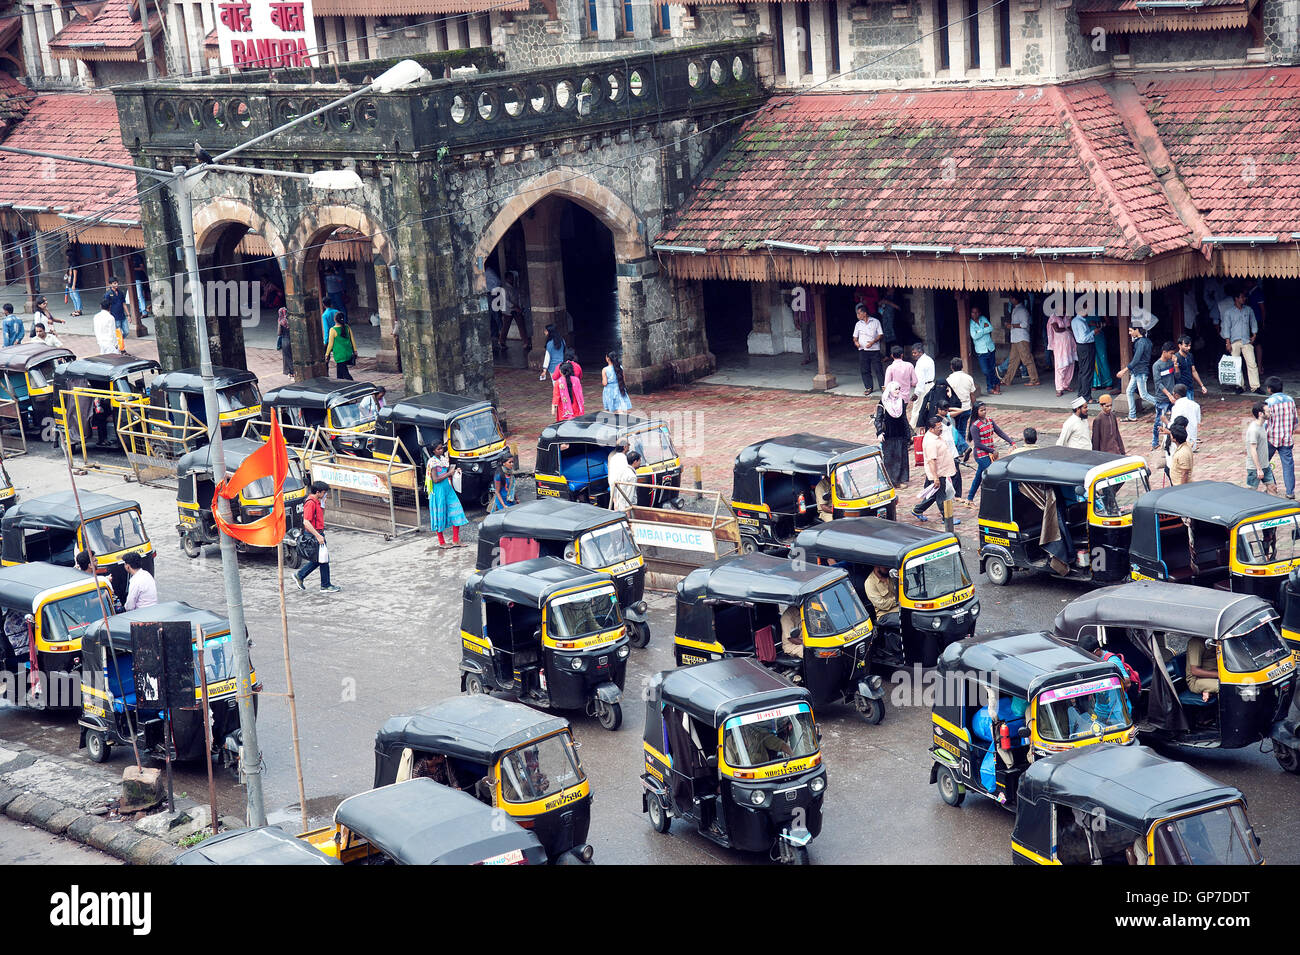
270, 460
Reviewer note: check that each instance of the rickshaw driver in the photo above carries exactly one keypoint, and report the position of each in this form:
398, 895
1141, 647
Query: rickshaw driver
882, 594
822, 493
780, 742
792, 632
1202, 679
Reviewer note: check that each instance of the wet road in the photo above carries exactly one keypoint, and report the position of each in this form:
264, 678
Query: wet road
27, 845
389, 643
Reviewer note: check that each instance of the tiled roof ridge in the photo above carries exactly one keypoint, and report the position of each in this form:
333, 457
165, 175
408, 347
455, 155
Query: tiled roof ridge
1116, 208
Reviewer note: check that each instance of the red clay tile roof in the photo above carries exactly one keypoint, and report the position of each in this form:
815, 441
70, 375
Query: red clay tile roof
996, 167
15, 100
113, 33
75, 124
1235, 141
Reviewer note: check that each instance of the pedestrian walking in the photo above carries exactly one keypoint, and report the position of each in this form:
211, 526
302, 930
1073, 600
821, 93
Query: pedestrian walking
622, 477
1085, 350
1060, 342
924, 366
1180, 464
556, 351
283, 342
1165, 373
613, 386
1238, 327
313, 522
867, 334
894, 432
1187, 373
961, 386
981, 336
341, 347
49, 338
13, 327
117, 305
105, 329
980, 436
1282, 425
444, 503
141, 589
141, 279
1074, 432
1105, 429
71, 291
940, 467
1021, 354
503, 486
1101, 378
1136, 371
951, 436
1185, 406
566, 392
1259, 469
901, 371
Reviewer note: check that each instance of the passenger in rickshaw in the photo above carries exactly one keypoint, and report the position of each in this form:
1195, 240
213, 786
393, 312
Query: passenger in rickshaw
434, 766
1202, 669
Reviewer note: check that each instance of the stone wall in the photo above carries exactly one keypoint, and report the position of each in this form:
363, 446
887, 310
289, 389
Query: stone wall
1282, 30
1032, 46
1212, 46
876, 32
1080, 49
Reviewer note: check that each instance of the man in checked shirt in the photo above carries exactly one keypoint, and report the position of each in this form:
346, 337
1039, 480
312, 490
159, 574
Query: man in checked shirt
1281, 431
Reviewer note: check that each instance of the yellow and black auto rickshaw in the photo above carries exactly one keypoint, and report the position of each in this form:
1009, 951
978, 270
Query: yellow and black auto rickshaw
265, 845
50, 529
583, 534
8, 493
195, 489
471, 430
1003, 700
178, 396
46, 609
345, 411
806, 624
1221, 535
734, 751
572, 458
935, 599
550, 633
1128, 805
506, 754
1286, 737
782, 485
75, 385
1060, 509
1163, 631
27, 372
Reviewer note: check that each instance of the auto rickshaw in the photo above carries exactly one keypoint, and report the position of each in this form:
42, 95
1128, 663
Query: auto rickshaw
1286, 737
588, 536
27, 372
421, 822
1155, 626
266, 845
782, 485
572, 458
936, 601
1060, 509
195, 489
1221, 535
505, 754
1005, 699
471, 430
548, 632
125, 375
110, 713
48, 608
8, 495
179, 396
734, 750
49, 528
1128, 805
745, 605
345, 410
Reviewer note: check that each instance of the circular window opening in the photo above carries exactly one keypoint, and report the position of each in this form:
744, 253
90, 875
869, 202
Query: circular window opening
738, 68
539, 98
317, 122
513, 101
287, 111
240, 115
716, 73
215, 113
564, 94
459, 109
694, 74
342, 118
635, 83
487, 105
614, 83
194, 114
368, 114
164, 112
592, 86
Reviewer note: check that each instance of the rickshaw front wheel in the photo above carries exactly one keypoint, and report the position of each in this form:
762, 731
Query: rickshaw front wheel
949, 790
610, 715
292, 558
873, 711
1287, 758
97, 747
640, 635
997, 571
660, 821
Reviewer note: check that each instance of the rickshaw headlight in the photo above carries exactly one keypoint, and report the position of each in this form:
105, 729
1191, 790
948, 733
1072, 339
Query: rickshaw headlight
975, 609
623, 651
576, 663
639, 606
817, 785
758, 797
936, 623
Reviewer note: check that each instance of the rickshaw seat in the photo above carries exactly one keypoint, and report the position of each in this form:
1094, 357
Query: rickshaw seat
765, 645
1188, 698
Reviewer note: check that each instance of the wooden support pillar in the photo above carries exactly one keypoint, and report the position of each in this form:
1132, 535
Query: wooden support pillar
968, 362
1174, 299
1125, 343
30, 269
823, 380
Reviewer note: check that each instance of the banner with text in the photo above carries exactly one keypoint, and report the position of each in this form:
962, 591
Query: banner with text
265, 34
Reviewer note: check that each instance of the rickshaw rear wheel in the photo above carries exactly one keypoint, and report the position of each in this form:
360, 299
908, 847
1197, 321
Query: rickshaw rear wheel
1287, 758
748, 545
660, 821
997, 571
873, 711
640, 635
192, 548
473, 684
292, 557
949, 790
98, 747
610, 715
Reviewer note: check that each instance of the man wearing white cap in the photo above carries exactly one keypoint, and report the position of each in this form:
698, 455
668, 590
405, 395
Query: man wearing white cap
1075, 432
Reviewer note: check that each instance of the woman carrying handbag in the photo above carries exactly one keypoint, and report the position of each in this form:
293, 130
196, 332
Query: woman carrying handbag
341, 347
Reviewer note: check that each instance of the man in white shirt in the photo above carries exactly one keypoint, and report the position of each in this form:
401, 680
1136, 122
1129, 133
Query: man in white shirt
1238, 327
1185, 407
142, 591
49, 338
105, 329
867, 335
1020, 351
924, 365
1075, 433
963, 386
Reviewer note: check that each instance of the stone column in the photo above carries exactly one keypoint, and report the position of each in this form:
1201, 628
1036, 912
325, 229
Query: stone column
969, 364
765, 304
609, 13
52, 258
818, 30
793, 56
387, 359
545, 273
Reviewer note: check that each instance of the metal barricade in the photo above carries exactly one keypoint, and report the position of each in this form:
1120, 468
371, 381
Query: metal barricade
155, 438
676, 541
379, 494
12, 442
74, 419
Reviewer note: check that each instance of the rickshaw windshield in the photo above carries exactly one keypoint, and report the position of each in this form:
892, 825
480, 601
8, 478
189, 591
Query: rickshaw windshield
218, 660
43, 374
356, 413
66, 619
833, 610
238, 398
1115, 496
540, 769
580, 614
115, 533
770, 736
475, 431
1083, 711
137, 382
1268, 542
606, 546
936, 574
654, 444
1217, 837
861, 478
1254, 644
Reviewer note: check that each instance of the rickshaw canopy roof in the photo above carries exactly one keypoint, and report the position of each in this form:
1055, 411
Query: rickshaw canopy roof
1212, 502
866, 540
29, 354
191, 380
235, 450
1136, 786
756, 577
534, 581
267, 845
421, 822
174, 611
59, 510
1158, 605
800, 453
601, 428
1052, 465
1024, 663
547, 518
478, 728
21, 584
108, 367
319, 393
432, 410
716, 691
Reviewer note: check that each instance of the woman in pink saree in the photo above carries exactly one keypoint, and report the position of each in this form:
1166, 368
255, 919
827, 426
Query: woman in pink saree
1060, 342
566, 395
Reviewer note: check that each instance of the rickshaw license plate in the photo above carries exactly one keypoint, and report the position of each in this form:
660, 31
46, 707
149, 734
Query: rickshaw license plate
1277, 671
958, 615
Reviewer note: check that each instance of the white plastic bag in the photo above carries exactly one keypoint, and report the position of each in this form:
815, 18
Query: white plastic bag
1230, 372
323, 555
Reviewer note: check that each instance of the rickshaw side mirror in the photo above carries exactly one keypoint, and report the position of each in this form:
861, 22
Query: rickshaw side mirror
537, 635
712, 761
30, 618
893, 573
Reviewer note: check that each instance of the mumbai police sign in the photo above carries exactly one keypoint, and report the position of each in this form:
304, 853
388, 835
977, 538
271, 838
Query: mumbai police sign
346, 479
673, 537
265, 34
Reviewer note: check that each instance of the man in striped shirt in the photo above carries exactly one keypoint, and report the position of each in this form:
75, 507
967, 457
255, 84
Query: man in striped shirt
1281, 431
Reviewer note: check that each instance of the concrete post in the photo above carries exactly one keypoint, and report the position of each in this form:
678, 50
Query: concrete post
387, 358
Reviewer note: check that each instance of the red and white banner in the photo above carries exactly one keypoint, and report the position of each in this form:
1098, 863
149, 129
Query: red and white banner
266, 34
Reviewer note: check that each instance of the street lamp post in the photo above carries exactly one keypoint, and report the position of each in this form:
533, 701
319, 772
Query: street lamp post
180, 182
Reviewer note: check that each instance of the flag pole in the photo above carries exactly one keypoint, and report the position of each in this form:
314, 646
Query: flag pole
288, 679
